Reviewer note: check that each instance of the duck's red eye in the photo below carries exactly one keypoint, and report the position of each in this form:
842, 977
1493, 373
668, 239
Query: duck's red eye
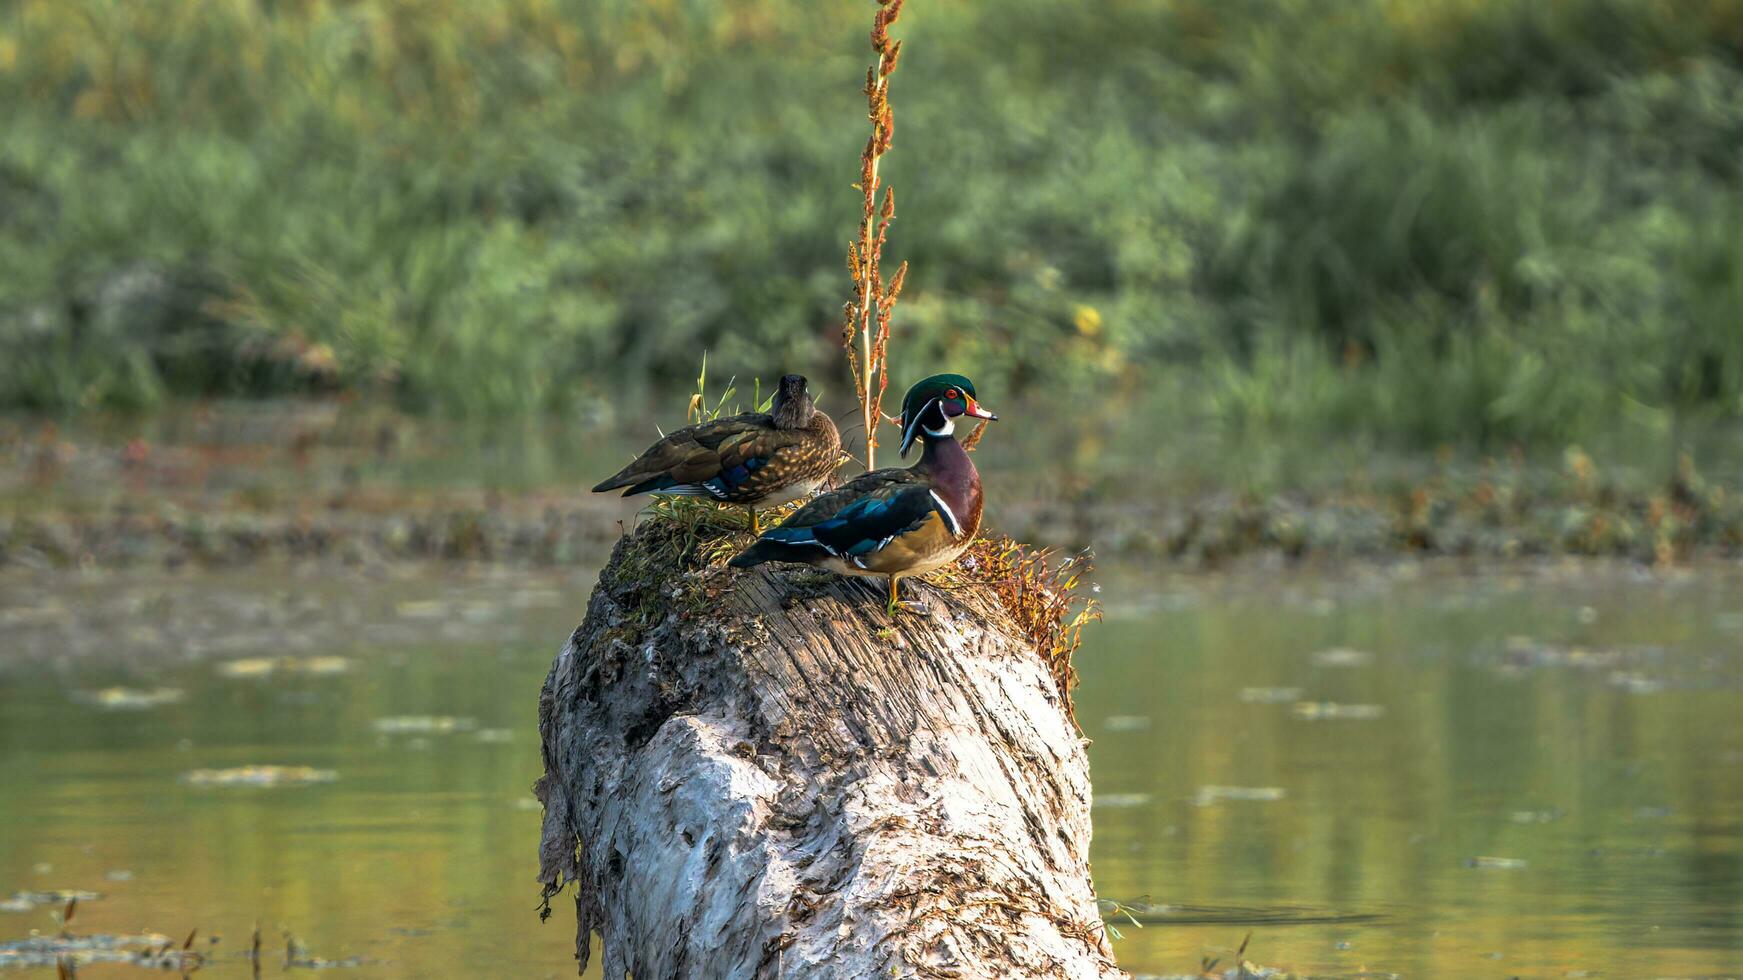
953, 393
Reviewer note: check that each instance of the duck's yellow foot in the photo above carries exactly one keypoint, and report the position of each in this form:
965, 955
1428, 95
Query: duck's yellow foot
897, 603
756, 526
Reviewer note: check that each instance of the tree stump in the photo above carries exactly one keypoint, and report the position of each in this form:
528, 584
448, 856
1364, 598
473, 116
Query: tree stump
760, 774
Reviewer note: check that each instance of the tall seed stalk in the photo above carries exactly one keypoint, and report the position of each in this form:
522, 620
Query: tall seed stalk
866, 318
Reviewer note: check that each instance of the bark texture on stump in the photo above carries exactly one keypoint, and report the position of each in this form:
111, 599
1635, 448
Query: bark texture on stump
760, 774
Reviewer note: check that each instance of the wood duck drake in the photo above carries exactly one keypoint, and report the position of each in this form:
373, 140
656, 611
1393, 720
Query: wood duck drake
898, 521
750, 459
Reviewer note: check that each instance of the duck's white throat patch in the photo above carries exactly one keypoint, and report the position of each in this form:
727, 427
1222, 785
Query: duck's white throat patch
949, 429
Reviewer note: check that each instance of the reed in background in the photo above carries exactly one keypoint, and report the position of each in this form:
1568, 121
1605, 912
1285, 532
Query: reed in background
867, 316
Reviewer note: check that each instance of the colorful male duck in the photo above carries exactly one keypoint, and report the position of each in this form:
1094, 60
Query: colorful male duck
893, 522
751, 459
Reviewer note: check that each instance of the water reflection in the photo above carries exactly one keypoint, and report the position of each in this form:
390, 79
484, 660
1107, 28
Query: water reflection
1534, 772
1533, 819
352, 809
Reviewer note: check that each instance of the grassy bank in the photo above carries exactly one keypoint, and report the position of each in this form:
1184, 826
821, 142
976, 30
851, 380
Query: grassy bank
1471, 221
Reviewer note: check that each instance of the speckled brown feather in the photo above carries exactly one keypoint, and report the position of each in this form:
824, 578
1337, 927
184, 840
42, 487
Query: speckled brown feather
698, 453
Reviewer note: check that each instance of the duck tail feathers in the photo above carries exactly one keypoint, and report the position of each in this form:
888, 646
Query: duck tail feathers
754, 555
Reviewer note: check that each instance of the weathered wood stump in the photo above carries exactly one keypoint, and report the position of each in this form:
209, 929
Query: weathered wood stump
760, 774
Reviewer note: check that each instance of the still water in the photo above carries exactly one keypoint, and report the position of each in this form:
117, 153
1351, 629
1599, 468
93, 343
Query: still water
1526, 772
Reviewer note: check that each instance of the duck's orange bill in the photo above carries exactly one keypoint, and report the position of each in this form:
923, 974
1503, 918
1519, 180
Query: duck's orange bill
976, 411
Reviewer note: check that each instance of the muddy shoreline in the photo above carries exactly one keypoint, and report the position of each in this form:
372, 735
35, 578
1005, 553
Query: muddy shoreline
545, 530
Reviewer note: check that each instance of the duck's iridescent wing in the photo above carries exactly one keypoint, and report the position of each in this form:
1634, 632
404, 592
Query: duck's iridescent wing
857, 520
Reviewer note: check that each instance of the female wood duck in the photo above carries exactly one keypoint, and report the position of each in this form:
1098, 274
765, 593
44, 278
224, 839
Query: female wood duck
751, 459
893, 522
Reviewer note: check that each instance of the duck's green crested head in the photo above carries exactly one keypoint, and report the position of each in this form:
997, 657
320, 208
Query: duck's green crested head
932, 406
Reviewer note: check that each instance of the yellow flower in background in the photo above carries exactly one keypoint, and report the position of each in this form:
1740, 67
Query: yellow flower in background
8, 53
1580, 464
318, 359
90, 104
1088, 321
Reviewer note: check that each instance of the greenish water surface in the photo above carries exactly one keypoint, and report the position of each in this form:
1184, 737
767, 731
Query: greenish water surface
1534, 771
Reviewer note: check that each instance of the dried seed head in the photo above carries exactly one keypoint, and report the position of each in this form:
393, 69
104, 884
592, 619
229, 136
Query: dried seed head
896, 284
890, 56
889, 210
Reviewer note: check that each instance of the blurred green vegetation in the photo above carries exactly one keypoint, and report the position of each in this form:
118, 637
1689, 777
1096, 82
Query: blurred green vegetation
1473, 221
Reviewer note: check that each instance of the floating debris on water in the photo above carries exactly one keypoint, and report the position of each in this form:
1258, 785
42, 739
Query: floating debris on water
260, 776
27, 901
1535, 816
422, 609
1121, 800
267, 666
528, 803
1331, 711
423, 725
1127, 723
1523, 653
130, 699
1342, 657
118, 874
248, 667
148, 950
480, 612
297, 957
1209, 967
1270, 695
1634, 682
1208, 795
1146, 912
494, 736
1495, 863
